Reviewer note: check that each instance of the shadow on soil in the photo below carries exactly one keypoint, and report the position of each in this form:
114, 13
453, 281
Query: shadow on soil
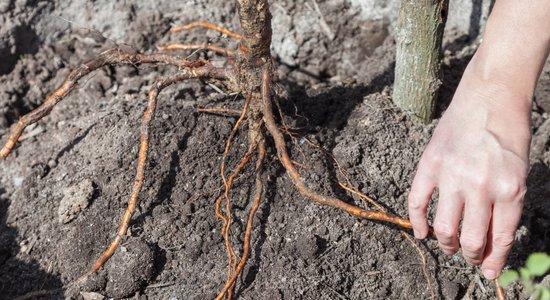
27, 275
535, 218
26, 43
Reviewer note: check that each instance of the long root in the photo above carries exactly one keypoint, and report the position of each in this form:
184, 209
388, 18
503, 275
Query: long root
114, 56
282, 153
232, 257
152, 96
230, 284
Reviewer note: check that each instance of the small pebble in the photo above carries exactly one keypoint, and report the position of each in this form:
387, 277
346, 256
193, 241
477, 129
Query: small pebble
52, 163
91, 296
18, 181
322, 230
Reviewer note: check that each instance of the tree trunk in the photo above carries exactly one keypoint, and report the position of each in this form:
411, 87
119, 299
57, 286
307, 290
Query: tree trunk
255, 20
253, 55
418, 58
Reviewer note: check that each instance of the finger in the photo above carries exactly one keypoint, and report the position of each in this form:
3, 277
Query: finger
421, 192
447, 218
475, 227
506, 217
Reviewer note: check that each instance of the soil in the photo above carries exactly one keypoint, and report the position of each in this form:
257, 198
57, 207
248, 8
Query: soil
63, 191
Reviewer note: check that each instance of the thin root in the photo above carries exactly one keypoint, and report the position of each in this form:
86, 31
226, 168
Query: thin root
221, 111
230, 253
231, 282
208, 26
232, 257
37, 294
213, 48
424, 268
368, 199
361, 195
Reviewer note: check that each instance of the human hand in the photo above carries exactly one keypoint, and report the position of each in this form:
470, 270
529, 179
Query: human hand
478, 155
478, 160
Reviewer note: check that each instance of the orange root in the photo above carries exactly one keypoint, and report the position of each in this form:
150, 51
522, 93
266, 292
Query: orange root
208, 26
213, 48
231, 282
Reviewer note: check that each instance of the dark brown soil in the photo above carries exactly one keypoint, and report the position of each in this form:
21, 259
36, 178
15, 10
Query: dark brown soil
82, 158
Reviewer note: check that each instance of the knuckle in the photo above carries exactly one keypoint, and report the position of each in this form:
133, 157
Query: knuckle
479, 181
472, 245
443, 231
512, 189
471, 177
473, 261
432, 157
435, 159
503, 240
448, 250
415, 202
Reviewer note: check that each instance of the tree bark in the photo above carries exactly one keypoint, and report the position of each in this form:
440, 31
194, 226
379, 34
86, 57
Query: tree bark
418, 59
255, 20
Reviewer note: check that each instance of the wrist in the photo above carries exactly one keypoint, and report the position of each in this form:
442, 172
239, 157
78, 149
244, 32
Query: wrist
493, 106
498, 88
491, 110
509, 68
515, 45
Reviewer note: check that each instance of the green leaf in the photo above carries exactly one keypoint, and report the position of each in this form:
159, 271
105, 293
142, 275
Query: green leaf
538, 263
526, 280
508, 277
524, 274
544, 294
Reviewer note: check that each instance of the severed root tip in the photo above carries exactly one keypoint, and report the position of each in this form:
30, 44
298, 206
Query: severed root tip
4, 153
14, 136
6, 150
80, 280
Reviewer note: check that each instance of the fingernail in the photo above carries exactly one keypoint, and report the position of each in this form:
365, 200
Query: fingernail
416, 234
489, 274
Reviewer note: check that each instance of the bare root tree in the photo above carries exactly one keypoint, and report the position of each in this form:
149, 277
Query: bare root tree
249, 72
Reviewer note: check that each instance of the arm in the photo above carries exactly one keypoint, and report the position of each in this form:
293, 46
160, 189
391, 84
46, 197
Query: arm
478, 157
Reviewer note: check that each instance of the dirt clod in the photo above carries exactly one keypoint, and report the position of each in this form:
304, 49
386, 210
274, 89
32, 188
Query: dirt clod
133, 266
75, 199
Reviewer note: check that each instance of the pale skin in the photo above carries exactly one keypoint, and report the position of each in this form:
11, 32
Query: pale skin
478, 157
